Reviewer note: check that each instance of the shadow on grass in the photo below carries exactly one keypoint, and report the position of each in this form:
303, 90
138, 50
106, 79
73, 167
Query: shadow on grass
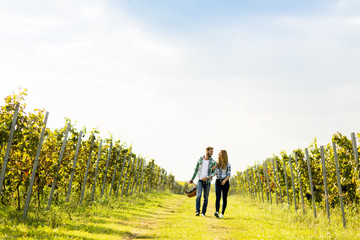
128, 212
10, 233
90, 228
140, 236
122, 223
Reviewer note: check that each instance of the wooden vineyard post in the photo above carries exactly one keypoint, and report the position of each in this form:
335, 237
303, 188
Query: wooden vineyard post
142, 177
250, 186
242, 183
300, 183
356, 154
106, 169
267, 192
292, 183
268, 182
277, 174
86, 171
96, 171
310, 179
125, 176
8, 147
162, 178
114, 174
129, 181
159, 178
33, 174
339, 184
121, 174
254, 181
165, 179
275, 182
247, 184
58, 167
260, 182
148, 178
286, 184
74, 166
325, 182
139, 175
253, 185
135, 176
151, 177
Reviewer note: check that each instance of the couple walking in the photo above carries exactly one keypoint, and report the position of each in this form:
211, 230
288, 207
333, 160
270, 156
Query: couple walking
206, 168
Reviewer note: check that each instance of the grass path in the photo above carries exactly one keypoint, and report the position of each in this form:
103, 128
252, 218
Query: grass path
169, 216
245, 219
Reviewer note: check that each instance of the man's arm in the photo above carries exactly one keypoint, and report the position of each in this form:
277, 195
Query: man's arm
213, 171
195, 172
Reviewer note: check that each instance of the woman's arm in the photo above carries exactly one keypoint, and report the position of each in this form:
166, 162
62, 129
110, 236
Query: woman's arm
224, 181
228, 174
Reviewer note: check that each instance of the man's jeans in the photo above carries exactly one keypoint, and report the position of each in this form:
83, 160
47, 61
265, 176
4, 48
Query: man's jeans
202, 185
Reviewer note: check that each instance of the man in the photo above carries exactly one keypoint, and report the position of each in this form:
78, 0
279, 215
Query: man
205, 171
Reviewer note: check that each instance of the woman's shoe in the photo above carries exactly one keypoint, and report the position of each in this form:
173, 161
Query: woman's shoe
216, 214
221, 216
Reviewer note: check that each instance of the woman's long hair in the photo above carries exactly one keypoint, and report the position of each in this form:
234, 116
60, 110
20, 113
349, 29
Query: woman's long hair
223, 159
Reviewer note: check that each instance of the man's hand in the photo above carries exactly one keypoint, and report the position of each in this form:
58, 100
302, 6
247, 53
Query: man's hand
191, 181
204, 179
214, 167
223, 182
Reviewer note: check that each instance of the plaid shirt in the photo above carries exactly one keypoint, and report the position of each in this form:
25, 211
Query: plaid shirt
223, 173
211, 172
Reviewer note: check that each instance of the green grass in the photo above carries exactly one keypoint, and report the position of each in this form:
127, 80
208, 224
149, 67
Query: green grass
248, 219
123, 218
170, 216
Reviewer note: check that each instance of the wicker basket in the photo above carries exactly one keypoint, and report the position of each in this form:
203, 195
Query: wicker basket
190, 191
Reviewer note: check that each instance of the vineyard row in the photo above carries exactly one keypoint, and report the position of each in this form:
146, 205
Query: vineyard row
320, 177
63, 165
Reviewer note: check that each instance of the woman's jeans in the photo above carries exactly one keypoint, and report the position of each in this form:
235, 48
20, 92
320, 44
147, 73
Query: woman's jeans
202, 185
224, 189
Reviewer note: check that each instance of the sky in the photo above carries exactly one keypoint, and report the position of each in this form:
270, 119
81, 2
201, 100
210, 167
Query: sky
173, 77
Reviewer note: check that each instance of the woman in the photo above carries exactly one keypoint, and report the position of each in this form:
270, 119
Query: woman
222, 185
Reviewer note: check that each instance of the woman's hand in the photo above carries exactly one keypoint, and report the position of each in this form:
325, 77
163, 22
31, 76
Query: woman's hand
223, 182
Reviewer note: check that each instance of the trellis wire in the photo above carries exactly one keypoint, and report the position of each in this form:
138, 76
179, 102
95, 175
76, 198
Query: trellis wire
137, 182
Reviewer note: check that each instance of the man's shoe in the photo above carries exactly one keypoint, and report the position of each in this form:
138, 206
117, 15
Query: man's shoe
203, 214
197, 214
221, 216
216, 214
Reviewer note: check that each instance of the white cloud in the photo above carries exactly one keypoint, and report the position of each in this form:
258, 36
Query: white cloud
253, 89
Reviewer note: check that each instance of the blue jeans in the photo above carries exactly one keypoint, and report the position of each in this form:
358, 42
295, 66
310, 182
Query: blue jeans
202, 185
224, 189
